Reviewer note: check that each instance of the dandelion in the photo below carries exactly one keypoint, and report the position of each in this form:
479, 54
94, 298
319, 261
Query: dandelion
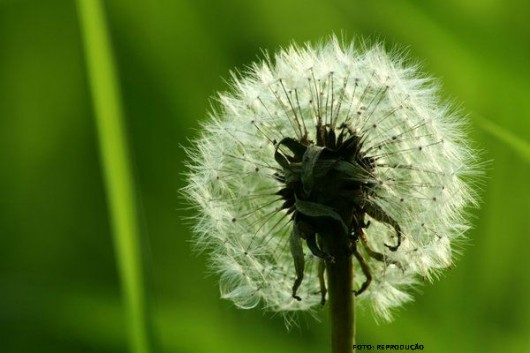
330, 171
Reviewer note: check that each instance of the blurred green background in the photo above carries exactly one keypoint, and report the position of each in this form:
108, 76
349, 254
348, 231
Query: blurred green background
59, 286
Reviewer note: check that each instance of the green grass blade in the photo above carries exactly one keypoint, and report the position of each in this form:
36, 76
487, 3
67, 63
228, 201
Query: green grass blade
117, 171
509, 138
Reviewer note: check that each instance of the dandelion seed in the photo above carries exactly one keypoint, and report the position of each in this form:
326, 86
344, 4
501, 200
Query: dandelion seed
325, 142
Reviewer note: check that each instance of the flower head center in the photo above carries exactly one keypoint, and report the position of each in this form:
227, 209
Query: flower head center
327, 182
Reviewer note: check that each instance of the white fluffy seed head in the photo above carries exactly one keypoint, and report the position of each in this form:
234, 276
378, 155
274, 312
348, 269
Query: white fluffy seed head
422, 159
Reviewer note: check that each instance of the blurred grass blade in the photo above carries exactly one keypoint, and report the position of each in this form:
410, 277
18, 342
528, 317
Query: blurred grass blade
117, 171
518, 144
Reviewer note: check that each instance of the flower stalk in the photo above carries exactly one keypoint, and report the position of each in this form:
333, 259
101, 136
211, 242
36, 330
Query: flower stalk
341, 304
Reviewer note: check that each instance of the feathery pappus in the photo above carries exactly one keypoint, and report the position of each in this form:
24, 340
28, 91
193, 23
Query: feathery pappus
330, 139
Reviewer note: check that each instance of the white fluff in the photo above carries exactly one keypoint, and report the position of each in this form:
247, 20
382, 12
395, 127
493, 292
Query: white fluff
423, 157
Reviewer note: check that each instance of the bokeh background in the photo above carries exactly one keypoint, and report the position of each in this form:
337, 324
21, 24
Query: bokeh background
59, 287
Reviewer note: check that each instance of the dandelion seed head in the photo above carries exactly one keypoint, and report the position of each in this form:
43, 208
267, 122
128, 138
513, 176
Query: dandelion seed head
415, 146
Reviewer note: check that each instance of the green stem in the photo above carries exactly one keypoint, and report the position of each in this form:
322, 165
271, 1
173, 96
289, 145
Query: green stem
340, 291
117, 171
341, 304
